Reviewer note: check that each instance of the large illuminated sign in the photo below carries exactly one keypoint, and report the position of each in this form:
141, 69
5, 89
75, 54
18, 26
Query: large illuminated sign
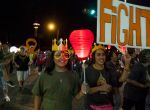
124, 24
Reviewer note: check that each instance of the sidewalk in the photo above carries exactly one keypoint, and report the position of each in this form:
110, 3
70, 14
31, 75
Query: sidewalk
20, 101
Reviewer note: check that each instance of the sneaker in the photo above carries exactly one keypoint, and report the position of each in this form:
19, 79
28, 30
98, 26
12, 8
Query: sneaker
11, 84
7, 98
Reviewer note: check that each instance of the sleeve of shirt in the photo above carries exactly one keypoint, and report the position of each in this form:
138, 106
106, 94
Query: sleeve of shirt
135, 73
108, 66
38, 86
16, 59
115, 79
76, 85
28, 59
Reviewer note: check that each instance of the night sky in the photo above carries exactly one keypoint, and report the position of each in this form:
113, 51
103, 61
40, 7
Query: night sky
17, 17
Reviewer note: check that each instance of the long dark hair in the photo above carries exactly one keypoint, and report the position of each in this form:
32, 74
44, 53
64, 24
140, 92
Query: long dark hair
144, 56
51, 64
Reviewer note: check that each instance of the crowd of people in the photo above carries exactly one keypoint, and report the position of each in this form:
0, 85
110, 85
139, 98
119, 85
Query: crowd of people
112, 81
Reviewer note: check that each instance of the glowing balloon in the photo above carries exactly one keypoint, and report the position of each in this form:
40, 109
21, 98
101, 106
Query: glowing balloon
81, 41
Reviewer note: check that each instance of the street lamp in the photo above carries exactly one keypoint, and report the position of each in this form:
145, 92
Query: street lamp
35, 26
51, 26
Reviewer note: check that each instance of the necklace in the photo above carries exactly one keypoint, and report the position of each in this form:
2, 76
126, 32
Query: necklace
98, 67
22, 57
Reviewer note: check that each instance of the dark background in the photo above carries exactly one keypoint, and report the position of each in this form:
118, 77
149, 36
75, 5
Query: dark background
17, 17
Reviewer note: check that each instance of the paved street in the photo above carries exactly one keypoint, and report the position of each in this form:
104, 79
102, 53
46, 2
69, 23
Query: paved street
19, 101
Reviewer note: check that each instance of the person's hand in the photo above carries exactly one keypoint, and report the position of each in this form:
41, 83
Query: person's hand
30, 63
17, 66
84, 88
105, 88
127, 58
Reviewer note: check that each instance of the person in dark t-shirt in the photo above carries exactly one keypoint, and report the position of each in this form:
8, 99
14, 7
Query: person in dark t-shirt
136, 87
100, 82
22, 63
115, 70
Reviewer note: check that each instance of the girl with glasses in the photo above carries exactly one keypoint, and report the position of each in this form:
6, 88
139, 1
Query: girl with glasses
58, 85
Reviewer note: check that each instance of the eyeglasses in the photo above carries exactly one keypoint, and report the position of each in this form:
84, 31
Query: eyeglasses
59, 54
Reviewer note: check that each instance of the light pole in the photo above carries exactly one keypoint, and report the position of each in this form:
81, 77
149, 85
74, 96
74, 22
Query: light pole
51, 26
36, 26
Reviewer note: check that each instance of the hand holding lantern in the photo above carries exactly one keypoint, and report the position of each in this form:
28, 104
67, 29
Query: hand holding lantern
81, 41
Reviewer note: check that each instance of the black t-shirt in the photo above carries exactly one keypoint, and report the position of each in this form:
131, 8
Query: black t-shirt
138, 73
96, 78
22, 61
114, 71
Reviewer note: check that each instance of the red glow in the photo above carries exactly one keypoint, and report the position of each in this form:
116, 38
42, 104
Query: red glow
109, 46
81, 41
122, 49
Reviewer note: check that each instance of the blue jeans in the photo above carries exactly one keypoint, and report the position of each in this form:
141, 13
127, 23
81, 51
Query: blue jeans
117, 101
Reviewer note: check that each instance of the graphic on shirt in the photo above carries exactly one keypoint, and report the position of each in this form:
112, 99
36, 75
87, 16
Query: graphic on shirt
101, 80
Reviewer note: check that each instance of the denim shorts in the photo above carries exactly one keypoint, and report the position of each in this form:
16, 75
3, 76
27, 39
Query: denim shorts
3, 83
22, 75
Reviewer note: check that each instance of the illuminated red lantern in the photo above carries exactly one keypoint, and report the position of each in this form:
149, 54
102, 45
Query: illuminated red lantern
81, 41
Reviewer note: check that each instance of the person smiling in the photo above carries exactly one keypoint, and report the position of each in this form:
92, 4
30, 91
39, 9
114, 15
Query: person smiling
100, 82
57, 86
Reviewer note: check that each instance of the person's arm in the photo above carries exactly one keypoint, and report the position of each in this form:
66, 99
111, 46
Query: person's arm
94, 89
124, 74
135, 83
85, 89
37, 103
15, 61
16, 64
126, 70
102, 88
79, 95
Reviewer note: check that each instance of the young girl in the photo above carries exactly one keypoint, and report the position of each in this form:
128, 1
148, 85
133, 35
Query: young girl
56, 87
100, 82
